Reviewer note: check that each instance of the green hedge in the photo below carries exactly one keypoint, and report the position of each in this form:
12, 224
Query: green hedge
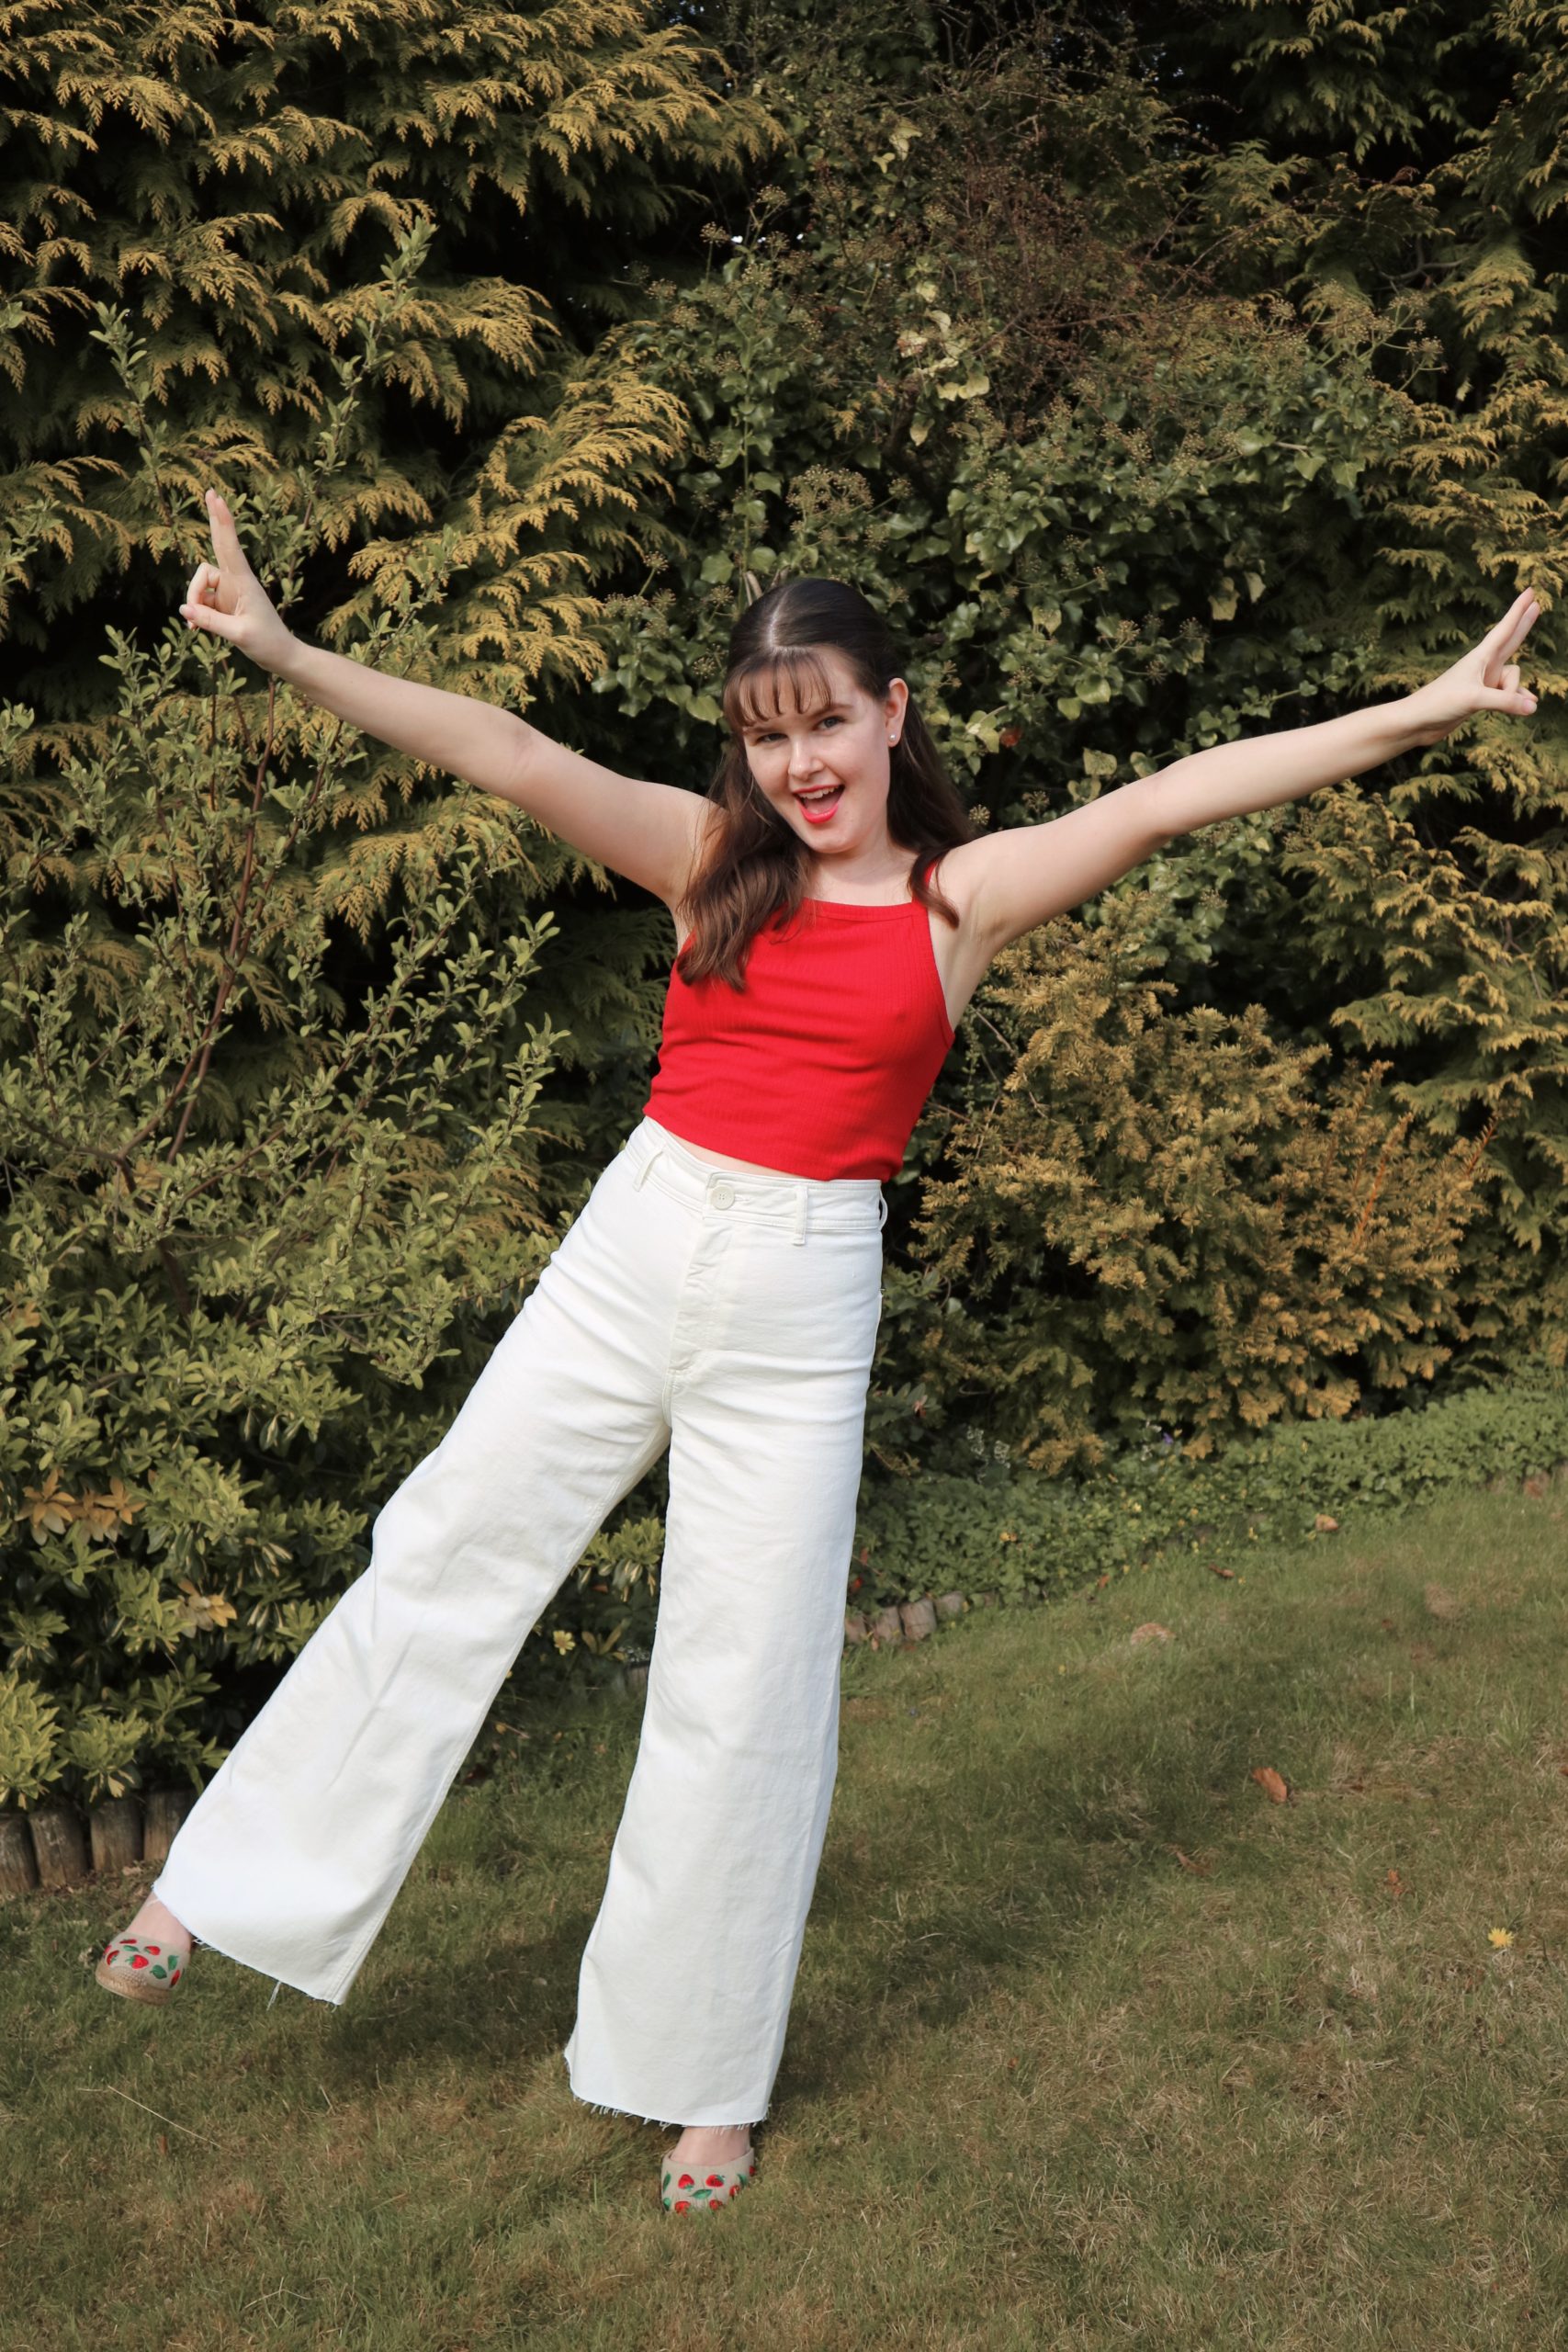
1023, 1536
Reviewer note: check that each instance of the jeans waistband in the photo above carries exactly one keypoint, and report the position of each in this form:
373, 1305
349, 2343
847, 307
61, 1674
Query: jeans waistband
803, 1204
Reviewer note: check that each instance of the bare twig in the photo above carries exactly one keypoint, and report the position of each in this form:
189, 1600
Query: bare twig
113, 2089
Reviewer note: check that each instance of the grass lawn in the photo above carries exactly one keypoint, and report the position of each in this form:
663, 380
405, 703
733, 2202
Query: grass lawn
1093, 2043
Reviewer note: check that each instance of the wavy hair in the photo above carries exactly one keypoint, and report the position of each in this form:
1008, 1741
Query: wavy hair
755, 864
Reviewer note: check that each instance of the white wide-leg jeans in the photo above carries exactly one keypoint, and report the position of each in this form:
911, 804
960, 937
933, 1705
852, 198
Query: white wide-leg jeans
731, 1317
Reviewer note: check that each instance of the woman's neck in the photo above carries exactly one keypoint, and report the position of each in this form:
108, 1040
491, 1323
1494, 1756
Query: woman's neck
869, 876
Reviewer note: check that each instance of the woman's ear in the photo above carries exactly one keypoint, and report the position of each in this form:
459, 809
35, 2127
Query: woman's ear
896, 701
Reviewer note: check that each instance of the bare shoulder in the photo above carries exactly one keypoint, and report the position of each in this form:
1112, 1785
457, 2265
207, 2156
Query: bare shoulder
1012, 881
958, 869
960, 875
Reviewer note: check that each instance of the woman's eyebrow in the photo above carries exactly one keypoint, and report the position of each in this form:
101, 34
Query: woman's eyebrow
755, 726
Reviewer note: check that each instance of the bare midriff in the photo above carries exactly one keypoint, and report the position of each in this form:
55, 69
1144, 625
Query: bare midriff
722, 1159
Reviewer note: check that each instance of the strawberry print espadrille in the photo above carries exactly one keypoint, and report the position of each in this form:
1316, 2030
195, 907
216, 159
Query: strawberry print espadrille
141, 1971
702, 2188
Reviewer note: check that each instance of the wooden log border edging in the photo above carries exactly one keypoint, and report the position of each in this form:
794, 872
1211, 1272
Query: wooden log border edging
57, 1846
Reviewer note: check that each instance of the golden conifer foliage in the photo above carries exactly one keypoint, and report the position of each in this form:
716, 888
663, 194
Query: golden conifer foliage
274, 1011
230, 185
1169, 1216
362, 267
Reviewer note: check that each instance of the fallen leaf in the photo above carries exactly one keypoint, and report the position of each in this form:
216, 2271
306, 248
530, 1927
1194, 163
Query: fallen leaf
1274, 1786
1216, 1570
1396, 1883
1199, 1869
1149, 1632
1440, 1602
1324, 1525
1535, 1488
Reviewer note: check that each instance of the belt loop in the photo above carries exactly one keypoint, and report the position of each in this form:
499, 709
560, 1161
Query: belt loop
640, 1179
800, 1213
882, 1211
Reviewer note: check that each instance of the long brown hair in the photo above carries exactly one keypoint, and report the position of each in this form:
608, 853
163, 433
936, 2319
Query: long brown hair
755, 864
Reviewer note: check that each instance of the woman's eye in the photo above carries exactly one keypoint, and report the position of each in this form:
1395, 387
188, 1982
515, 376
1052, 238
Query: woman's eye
828, 718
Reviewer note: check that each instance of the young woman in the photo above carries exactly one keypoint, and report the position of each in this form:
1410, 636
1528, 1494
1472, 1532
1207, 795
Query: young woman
719, 1294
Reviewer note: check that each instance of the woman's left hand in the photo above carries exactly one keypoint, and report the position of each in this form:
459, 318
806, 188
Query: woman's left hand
1487, 678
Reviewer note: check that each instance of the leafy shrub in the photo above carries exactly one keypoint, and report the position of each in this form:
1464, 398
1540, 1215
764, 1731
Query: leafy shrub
1165, 1214
1148, 441
251, 1234
275, 1010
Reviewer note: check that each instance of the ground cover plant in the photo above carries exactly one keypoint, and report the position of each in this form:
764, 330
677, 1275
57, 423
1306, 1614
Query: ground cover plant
1100, 2037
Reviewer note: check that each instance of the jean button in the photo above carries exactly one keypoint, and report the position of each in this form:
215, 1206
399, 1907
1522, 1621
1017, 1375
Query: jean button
723, 1197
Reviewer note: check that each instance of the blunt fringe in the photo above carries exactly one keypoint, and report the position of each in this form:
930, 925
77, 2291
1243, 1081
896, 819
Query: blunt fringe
755, 864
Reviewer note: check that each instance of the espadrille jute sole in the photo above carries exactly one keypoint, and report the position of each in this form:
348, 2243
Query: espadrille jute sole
702, 2188
139, 1971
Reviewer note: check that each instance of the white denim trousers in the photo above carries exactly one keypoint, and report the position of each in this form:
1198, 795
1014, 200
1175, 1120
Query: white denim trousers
731, 1317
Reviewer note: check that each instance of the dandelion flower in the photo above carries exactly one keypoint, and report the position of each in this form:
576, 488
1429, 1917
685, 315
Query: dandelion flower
1500, 1939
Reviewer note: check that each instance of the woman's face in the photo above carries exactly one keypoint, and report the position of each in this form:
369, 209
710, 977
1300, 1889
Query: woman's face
825, 768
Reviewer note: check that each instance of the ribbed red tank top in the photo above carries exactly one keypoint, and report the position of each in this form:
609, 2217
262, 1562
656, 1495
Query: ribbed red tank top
822, 1066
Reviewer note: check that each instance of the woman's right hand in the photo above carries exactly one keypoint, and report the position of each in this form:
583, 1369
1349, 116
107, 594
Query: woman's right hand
227, 599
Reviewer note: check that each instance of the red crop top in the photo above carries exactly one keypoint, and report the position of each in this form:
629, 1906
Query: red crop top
822, 1066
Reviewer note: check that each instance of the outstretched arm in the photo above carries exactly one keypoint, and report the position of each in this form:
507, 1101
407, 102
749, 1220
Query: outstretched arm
1024, 876
647, 831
